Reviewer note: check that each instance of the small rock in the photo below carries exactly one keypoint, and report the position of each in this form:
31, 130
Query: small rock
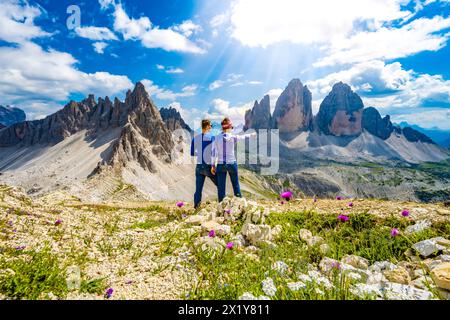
238, 240
430, 264
305, 234
268, 287
366, 290
195, 219
223, 229
255, 234
422, 282
441, 275
208, 243
396, 291
356, 261
207, 226
398, 275
428, 247
315, 240
418, 227
445, 257
444, 294
444, 242
419, 273
376, 278
382, 266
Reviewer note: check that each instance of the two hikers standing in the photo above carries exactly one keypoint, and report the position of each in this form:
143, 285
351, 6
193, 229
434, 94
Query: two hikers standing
215, 158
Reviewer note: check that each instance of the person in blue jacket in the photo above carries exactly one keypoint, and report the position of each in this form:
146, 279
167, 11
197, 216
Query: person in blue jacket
201, 147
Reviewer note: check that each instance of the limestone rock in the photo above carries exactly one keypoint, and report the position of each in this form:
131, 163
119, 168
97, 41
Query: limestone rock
422, 282
207, 226
396, 291
374, 124
418, 227
340, 113
428, 247
398, 275
208, 243
258, 234
356, 261
293, 110
195, 219
305, 234
441, 275
173, 120
382, 266
260, 116
268, 287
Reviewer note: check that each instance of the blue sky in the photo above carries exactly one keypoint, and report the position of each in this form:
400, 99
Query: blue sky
214, 58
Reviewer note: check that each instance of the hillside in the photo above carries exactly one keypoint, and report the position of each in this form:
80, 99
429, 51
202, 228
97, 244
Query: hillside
155, 250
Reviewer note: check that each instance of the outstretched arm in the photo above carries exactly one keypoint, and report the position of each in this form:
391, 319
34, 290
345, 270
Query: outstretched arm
244, 136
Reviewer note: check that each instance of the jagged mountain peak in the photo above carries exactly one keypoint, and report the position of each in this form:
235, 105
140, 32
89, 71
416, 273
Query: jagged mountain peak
340, 113
293, 110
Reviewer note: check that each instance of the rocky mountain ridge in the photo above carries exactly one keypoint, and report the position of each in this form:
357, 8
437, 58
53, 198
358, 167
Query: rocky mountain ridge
341, 114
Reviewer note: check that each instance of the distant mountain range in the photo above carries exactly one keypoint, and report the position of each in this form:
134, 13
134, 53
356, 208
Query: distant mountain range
95, 148
9, 116
441, 137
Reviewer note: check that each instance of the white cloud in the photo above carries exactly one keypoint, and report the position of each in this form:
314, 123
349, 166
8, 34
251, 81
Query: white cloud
221, 108
255, 83
264, 22
388, 43
216, 85
232, 79
174, 70
370, 77
152, 36
17, 22
37, 79
165, 94
99, 47
187, 28
218, 20
29, 73
95, 33
170, 70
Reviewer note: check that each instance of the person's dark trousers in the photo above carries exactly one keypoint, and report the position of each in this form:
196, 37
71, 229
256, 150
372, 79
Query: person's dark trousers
221, 172
201, 172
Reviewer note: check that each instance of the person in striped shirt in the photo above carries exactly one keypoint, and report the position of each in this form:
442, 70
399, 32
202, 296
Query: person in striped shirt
224, 159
